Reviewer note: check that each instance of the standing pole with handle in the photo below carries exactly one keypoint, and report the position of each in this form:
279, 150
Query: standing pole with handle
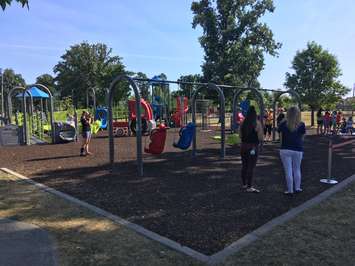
329, 180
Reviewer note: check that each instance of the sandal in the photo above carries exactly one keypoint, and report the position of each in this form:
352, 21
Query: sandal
252, 190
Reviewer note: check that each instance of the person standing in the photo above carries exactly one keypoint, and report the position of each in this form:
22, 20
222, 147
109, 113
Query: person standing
292, 132
280, 118
251, 135
85, 121
349, 125
268, 118
339, 115
320, 121
327, 122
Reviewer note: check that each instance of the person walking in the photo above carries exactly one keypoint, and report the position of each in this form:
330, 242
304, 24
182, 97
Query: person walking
85, 121
251, 135
292, 133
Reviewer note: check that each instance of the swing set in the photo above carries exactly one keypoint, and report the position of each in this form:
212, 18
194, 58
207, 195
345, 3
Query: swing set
157, 137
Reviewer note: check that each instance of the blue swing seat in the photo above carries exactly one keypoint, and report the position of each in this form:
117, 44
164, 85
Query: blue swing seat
186, 135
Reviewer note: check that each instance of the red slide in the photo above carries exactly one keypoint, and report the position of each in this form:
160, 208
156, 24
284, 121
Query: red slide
176, 117
148, 112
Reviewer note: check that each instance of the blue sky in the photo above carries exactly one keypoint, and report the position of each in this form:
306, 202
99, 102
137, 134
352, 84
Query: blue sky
158, 37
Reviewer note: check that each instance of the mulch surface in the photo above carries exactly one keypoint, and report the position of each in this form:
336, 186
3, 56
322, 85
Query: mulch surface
197, 202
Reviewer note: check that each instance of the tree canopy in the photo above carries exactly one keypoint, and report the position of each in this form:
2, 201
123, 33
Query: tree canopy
144, 86
11, 80
85, 66
315, 77
234, 39
187, 89
4, 3
46, 80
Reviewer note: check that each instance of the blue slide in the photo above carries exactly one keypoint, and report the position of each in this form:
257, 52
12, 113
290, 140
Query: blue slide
186, 134
102, 115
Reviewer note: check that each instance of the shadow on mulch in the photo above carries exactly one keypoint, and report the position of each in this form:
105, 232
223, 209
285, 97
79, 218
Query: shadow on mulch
199, 202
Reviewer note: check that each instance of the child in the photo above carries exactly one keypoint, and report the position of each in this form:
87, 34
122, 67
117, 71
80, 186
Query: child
280, 118
349, 125
85, 121
338, 119
334, 121
268, 125
327, 121
343, 126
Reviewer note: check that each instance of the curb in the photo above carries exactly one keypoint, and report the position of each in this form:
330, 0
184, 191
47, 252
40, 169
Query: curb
215, 258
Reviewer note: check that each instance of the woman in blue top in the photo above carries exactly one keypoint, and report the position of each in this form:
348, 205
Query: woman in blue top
292, 132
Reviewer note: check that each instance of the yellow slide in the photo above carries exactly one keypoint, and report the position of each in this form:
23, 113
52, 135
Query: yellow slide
95, 127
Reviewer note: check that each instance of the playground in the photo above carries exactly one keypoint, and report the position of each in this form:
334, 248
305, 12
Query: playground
197, 202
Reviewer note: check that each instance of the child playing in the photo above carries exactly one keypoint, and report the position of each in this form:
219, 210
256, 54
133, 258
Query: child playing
334, 122
327, 121
343, 126
338, 119
349, 125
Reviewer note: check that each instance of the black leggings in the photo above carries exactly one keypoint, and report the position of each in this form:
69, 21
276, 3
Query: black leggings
267, 129
248, 163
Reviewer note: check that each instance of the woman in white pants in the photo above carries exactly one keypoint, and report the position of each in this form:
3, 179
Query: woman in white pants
292, 131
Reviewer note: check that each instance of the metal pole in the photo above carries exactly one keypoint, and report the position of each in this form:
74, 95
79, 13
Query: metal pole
182, 107
139, 122
329, 179
222, 115
193, 105
222, 104
330, 161
274, 122
24, 111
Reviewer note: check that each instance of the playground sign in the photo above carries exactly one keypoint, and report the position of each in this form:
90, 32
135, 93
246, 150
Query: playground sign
9, 135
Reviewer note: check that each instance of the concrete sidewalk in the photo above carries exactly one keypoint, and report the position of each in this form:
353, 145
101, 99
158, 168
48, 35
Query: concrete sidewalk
25, 244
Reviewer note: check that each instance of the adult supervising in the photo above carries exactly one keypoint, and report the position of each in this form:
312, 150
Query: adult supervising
251, 134
292, 132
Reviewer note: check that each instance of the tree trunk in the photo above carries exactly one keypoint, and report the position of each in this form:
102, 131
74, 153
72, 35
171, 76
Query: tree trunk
312, 116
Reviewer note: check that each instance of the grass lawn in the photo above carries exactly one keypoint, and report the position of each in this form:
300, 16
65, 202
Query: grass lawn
323, 235
83, 238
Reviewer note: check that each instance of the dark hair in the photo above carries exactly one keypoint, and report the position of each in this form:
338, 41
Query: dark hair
249, 122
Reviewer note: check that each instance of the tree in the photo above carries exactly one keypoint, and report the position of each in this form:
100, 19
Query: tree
11, 80
143, 85
187, 89
85, 66
316, 77
161, 89
234, 40
4, 3
46, 80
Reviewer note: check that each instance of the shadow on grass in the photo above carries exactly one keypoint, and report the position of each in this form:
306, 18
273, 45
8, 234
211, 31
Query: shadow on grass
82, 237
